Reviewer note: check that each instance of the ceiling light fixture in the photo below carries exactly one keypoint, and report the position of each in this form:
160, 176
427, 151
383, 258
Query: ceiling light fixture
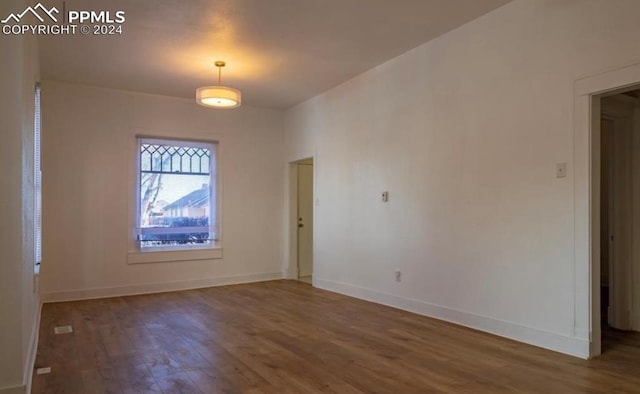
219, 96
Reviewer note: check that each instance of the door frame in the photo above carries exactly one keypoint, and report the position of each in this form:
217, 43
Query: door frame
290, 269
587, 94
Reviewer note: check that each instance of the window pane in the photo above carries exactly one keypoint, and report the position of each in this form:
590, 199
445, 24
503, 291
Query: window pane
175, 190
174, 159
145, 161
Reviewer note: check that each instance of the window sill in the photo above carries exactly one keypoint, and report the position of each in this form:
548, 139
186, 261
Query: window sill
164, 256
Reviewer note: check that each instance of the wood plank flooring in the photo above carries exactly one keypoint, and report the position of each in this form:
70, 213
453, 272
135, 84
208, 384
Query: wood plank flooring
288, 337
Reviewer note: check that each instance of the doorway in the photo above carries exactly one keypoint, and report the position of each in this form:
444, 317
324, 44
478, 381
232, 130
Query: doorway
588, 94
304, 220
619, 215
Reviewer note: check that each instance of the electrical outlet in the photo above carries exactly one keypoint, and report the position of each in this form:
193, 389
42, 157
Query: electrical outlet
398, 276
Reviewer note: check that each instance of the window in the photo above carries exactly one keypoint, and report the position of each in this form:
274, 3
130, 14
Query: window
177, 194
37, 180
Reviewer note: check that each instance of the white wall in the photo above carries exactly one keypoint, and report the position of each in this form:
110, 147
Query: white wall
19, 303
465, 133
89, 196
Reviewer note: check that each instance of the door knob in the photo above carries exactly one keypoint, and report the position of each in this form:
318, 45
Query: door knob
300, 225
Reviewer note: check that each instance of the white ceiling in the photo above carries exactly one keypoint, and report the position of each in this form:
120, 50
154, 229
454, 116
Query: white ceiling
278, 52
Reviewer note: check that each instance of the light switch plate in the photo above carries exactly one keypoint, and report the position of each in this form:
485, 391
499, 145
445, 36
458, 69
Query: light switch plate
561, 170
385, 196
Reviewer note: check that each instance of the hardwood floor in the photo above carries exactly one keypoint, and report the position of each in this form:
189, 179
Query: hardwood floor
288, 337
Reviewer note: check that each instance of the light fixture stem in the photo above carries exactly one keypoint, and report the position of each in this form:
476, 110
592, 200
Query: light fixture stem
220, 64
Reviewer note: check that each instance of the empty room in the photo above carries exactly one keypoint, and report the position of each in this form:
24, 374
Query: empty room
305, 196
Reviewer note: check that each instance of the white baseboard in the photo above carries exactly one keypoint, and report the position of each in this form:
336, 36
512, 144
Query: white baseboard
146, 288
569, 345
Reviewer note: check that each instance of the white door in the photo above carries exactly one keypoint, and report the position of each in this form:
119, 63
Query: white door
305, 219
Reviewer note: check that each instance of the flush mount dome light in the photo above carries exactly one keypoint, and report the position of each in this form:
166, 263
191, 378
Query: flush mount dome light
218, 96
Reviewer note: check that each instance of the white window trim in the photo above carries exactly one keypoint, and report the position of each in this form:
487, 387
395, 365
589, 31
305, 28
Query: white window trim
189, 253
171, 253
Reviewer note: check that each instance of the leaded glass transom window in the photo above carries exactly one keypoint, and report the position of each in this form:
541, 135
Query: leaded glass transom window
167, 159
